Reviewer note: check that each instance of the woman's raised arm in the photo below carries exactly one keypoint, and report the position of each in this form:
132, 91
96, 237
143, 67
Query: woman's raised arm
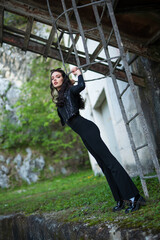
81, 84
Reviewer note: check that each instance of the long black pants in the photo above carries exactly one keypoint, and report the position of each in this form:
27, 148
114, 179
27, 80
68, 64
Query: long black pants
119, 181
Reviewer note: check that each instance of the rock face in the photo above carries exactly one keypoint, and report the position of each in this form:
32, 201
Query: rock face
4, 180
27, 168
46, 227
14, 71
14, 64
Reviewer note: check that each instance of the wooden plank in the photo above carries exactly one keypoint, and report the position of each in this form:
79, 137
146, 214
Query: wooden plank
71, 48
28, 32
49, 42
1, 23
22, 33
59, 38
54, 54
95, 54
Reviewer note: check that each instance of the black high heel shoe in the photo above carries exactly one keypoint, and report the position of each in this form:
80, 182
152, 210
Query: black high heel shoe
120, 205
136, 204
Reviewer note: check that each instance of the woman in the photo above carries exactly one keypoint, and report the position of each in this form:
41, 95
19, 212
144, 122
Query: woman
68, 104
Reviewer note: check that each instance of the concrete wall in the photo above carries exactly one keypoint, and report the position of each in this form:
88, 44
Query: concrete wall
102, 107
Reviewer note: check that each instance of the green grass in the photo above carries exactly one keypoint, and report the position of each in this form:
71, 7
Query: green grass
81, 197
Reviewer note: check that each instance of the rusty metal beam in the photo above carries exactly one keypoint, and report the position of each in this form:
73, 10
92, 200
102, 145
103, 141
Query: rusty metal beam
26, 10
54, 53
21, 33
36, 38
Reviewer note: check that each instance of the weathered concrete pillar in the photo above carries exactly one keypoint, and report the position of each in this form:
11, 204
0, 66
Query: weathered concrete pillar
150, 96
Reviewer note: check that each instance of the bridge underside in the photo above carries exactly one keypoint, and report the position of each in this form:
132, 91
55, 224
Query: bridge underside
138, 22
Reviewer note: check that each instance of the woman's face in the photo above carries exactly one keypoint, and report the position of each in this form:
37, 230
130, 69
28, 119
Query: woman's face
57, 80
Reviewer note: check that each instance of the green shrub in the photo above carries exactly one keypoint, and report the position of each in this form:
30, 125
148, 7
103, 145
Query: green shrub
39, 126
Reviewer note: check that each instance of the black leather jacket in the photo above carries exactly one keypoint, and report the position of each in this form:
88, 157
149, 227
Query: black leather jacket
71, 107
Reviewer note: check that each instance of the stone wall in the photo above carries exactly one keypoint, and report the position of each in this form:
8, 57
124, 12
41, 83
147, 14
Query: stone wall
47, 227
22, 167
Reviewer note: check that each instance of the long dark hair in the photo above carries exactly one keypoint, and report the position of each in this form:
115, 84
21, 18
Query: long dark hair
60, 99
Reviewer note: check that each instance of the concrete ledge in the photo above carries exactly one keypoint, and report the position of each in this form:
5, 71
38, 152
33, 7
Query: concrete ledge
46, 227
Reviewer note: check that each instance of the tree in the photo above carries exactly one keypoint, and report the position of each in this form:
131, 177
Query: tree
39, 126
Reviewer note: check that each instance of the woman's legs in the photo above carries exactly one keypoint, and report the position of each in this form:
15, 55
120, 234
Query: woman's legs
115, 191
120, 183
